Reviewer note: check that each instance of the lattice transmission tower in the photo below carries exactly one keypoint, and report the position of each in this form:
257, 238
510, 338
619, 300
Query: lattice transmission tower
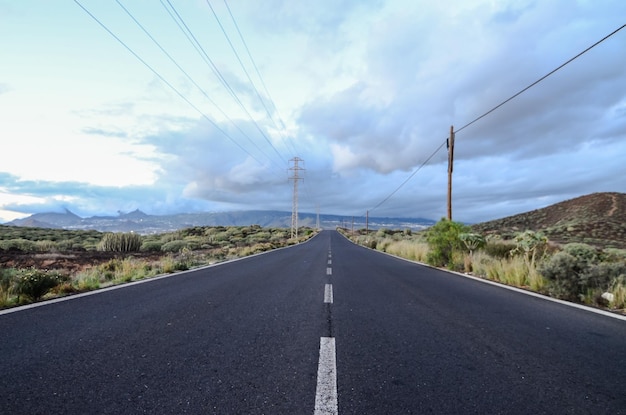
295, 176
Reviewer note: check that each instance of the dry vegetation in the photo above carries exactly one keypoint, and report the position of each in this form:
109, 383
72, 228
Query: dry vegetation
40, 263
597, 219
574, 250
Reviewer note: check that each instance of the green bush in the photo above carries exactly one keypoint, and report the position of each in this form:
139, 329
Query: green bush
499, 250
34, 284
151, 246
443, 240
7, 280
174, 246
19, 244
575, 271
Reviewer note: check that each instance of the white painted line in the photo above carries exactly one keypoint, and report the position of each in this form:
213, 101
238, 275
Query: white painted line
146, 280
329, 271
326, 392
328, 293
507, 287
330, 261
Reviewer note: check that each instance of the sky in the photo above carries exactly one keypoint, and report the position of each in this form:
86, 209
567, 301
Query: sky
172, 106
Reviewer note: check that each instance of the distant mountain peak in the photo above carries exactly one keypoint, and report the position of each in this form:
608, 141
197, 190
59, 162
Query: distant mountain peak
135, 214
70, 213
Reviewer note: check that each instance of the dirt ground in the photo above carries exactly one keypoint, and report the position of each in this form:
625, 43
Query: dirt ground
70, 262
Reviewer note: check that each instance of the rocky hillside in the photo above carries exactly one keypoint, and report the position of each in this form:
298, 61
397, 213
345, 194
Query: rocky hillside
597, 219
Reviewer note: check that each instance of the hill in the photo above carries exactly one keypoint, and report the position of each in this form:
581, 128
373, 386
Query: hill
140, 222
598, 219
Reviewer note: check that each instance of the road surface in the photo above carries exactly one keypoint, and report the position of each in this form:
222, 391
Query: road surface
324, 327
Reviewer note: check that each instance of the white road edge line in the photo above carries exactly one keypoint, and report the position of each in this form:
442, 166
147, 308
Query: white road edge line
326, 392
506, 287
144, 281
328, 293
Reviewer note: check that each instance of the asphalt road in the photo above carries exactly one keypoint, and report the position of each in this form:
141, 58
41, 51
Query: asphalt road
323, 327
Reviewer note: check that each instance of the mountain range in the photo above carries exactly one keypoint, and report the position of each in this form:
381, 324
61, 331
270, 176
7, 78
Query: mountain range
140, 222
597, 219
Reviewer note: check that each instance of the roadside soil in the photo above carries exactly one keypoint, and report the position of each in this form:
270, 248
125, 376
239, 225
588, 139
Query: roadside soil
69, 262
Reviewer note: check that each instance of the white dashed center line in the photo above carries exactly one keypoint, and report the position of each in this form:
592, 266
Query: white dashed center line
328, 293
329, 271
326, 392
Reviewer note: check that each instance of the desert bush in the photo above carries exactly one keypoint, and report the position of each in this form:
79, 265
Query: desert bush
151, 246
174, 246
173, 265
7, 281
19, 244
572, 273
443, 239
120, 242
472, 241
618, 289
46, 246
87, 280
531, 245
34, 284
498, 249
172, 236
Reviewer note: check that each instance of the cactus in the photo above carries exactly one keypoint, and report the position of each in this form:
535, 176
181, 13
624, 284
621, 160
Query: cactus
120, 242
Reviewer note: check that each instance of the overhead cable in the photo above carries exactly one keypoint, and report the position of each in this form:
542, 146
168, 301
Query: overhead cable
282, 127
540, 79
155, 72
224, 81
243, 67
496, 107
193, 81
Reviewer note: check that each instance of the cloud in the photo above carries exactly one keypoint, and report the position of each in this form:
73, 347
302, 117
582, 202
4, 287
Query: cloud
368, 91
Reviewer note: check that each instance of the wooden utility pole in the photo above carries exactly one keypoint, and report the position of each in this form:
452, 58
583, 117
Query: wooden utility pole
367, 222
450, 168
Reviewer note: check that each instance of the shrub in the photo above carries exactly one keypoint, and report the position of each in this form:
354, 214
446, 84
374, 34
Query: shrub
499, 249
174, 246
618, 289
34, 284
443, 239
19, 244
472, 241
573, 272
7, 279
532, 245
151, 246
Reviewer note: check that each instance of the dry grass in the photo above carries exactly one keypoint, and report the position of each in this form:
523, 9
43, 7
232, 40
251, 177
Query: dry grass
511, 271
409, 249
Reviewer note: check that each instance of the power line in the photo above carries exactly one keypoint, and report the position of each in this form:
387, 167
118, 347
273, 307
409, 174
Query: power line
155, 72
192, 80
282, 127
410, 177
540, 79
495, 108
222, 79
243, 67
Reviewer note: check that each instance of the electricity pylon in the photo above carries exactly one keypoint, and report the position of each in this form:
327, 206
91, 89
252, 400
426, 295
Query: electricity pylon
296, 169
